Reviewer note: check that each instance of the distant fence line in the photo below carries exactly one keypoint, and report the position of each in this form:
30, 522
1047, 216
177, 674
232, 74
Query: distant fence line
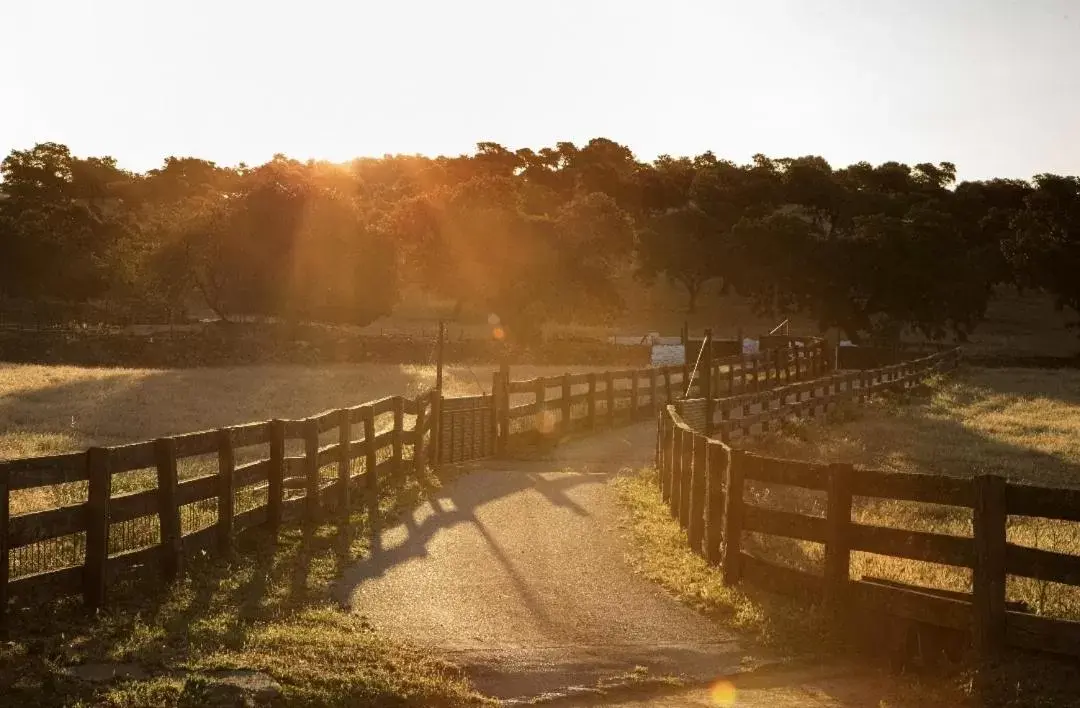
267, 473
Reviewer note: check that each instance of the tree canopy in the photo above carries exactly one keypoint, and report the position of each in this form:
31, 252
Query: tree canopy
535, 234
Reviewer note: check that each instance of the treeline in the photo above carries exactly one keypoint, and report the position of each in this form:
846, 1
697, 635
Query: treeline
534, 235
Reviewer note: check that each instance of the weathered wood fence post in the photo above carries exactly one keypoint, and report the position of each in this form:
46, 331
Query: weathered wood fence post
686, 472
591, 402
168, 509
99, 469
371, 472
564, 404
540, 393
275, 486
714, 514
397, 406
344, 461
419, 453
609, 393
733, 515
311, 469
838, 536
988, 575
698, 486
675, 487
226, 488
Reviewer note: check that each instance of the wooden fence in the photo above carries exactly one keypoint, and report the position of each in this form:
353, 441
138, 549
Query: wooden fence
196, 492
703, 481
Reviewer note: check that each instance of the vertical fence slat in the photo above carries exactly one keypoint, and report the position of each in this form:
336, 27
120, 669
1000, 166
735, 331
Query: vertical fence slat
168, 509
714, 513
635, 407
698, 485
370, 474
666, 441
675, 485
838, 540
733, 514
344, 461
654, 403
500, 389
988, 575
99, 464
686, 472
311, 468
226, 467
275, 486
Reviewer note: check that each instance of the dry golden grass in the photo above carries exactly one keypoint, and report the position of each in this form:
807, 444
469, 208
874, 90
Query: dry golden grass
1020, 423
52, 409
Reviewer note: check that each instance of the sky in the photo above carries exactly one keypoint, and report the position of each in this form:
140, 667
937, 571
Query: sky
991, 85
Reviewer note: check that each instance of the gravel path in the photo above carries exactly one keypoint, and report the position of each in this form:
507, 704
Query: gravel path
516, 572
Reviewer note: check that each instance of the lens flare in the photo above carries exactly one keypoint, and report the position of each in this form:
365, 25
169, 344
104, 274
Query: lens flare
498, 333
722, 693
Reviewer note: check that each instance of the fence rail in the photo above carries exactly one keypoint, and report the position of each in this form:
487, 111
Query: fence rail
703, 481
202, 489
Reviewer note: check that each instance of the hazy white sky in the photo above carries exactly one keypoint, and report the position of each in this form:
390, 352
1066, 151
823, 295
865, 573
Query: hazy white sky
993, 85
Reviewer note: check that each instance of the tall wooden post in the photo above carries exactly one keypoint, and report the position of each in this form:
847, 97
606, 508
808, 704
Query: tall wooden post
226, 469
168, 509
698, 486
99, 468
436, 413
311, 468
686, 472
344, 461
733, 514
370, 462
540, 394
5, 511
635, 406
419, 428
675, 487
707, 381
503, 406
838, 540
398, 408
988, 575
275, 483
654, 404
714, 494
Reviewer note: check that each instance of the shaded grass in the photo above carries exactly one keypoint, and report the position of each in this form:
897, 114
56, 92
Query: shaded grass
264, 607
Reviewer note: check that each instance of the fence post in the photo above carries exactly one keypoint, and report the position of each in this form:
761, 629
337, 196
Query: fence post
714, 513
609, 381
675, 483
344, 459
838, 538
277, 475
635, 406
564, 404
419, 453
667, 386
686, 474
707, 382
539, 392
168, 509
500, 392
397, 404
311, 468
226, 467
5, 499
372, 475
99, 464
733, 513
988, 575
698, 484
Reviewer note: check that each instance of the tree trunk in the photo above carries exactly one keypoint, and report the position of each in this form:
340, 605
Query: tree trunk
692, 289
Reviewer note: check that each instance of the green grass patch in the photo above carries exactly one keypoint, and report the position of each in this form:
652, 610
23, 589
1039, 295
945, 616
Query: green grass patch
264, 607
